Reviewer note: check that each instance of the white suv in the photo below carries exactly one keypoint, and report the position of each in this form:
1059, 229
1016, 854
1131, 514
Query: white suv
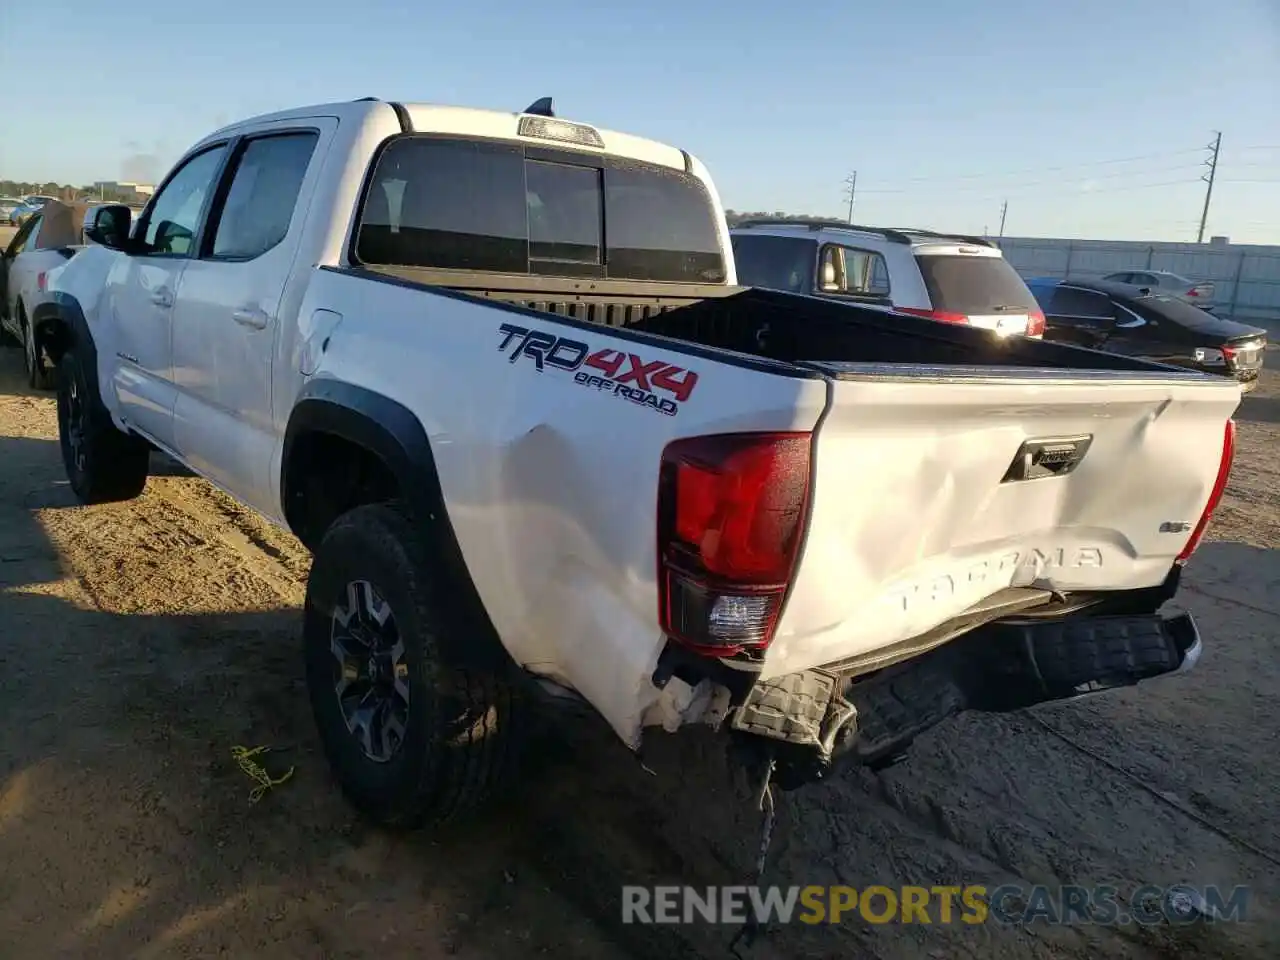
945, 277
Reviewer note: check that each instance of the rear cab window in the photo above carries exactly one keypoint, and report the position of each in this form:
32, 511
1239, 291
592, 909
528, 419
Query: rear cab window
974, 285
494, 206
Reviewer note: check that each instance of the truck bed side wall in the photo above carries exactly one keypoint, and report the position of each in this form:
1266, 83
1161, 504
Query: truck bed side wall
768, 324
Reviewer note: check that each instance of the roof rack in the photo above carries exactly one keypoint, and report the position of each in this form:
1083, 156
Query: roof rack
912, 231
893, 236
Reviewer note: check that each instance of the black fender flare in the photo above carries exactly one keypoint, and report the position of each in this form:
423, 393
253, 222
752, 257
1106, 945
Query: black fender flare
60, 322
392, 433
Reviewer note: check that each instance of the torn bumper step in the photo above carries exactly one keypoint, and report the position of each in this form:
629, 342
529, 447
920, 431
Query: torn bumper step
818, 717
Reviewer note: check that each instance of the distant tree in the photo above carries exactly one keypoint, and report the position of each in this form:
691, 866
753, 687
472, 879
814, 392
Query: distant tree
24, 188
737, 216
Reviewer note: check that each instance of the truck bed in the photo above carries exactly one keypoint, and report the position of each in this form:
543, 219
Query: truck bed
948, 467
770, 324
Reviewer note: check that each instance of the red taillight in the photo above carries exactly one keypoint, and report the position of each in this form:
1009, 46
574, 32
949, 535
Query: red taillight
1193, 292
1035, 324
1215, 495
731, 510
41, 283
942, 316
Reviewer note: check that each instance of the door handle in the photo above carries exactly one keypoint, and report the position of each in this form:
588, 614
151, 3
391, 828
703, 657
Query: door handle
161, 298
250, 317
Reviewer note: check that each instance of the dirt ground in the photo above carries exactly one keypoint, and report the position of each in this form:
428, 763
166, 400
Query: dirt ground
140, 642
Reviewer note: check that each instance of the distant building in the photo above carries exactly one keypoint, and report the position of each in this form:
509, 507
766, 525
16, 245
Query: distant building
124, 190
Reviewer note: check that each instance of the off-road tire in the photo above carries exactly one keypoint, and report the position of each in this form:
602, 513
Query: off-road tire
462, 733
39, 376
106, 465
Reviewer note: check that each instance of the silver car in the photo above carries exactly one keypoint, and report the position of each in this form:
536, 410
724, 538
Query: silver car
1197, 293
29, 207
7, 206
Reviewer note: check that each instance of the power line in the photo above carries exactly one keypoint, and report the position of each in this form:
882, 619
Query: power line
1057, 185
1054, 181
1070, 166
899, 185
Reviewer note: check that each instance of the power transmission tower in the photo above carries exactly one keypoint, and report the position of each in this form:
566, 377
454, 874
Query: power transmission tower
1004, 210
1212, 164
851, 188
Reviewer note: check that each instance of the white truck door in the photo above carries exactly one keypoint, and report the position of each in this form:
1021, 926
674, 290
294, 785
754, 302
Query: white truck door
225, 323
140, 294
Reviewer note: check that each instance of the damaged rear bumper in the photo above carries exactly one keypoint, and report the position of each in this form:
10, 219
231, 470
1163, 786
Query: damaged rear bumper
817, 718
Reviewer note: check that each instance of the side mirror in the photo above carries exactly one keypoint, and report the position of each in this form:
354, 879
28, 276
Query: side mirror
108, 225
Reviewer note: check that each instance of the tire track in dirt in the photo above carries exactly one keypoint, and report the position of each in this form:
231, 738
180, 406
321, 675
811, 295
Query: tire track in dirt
280, 565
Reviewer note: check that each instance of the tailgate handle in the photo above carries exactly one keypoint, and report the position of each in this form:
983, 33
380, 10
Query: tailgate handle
1045, 457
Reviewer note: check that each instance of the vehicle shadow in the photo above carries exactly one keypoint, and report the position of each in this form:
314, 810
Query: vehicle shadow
13, 377
125, 820
1259, 409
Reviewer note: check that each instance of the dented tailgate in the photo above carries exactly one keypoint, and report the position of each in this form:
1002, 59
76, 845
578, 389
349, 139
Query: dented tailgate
935, 489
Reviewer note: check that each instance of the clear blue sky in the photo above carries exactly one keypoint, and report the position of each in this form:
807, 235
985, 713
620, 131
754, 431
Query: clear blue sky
944, 107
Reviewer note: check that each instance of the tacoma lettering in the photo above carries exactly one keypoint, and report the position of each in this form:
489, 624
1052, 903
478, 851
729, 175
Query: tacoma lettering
998, 572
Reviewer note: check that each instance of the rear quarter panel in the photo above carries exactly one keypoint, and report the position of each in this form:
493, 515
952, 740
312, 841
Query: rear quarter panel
550, 484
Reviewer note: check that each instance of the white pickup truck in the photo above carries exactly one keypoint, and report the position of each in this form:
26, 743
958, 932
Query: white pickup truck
494, 370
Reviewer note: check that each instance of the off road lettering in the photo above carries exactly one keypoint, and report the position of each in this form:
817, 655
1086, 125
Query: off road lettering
656, 384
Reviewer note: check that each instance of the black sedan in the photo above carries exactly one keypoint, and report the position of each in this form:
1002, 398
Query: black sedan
1141, 322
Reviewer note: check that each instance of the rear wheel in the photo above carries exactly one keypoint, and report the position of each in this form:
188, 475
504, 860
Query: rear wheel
414, 738
103, 464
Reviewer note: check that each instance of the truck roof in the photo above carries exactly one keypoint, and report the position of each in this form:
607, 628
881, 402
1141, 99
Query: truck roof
477, 122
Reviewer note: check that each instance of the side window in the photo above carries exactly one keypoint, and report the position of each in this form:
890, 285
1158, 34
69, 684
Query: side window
175, 212
879, 277
33, 237
860, 273
264, 192
1080, 304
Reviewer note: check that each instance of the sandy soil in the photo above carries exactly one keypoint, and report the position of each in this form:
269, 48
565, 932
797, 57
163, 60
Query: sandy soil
142, 641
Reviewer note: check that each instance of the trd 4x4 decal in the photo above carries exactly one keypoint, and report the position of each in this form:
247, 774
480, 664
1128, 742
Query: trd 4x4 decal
657, 384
